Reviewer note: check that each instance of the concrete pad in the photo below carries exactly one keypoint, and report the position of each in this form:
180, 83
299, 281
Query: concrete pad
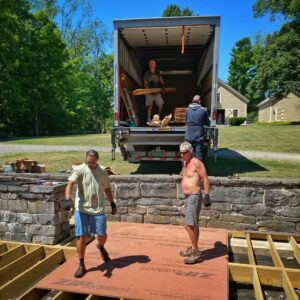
146, 265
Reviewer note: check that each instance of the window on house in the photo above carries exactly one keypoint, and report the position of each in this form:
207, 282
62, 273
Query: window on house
218, 98
235, 113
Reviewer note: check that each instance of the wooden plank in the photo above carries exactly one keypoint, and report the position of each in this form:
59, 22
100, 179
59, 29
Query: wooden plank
11, 255
3, 248
288, 288
267, 275
33, 294
250, 250
282, 236
20, 265
126, 104
240, 272
257, 287
67, 296
138, 92
295, 248
131, 105
294, 276
274, 254
25, 279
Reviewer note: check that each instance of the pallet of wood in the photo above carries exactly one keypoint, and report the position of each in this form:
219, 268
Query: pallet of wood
179, 114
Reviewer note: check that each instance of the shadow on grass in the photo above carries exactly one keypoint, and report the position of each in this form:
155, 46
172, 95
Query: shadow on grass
228, 163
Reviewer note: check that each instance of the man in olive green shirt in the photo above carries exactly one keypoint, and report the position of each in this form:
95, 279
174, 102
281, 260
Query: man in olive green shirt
92, 182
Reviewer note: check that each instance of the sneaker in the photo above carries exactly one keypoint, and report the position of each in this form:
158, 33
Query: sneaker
103, 252
187, 252
194, 258
80, 272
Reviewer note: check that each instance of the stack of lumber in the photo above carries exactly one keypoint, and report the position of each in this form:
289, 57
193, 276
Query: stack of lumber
26, 165
179, 114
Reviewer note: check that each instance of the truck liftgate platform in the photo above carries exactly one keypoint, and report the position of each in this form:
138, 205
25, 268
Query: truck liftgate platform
146, 265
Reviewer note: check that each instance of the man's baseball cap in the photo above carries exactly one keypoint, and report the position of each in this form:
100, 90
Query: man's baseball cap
197, 98
186, 147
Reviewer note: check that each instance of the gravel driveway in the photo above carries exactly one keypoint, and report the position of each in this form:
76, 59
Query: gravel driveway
6, 148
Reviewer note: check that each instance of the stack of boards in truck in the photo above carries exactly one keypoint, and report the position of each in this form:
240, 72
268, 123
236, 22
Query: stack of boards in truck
186, 50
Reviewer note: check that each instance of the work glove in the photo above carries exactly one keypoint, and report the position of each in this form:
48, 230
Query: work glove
113, 208
67, 204
206, 200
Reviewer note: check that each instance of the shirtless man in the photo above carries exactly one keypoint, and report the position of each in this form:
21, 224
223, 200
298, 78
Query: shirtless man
192, 172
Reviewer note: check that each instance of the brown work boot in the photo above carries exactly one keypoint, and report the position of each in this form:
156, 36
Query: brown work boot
194, 258
103, 252
80, 272
187, 252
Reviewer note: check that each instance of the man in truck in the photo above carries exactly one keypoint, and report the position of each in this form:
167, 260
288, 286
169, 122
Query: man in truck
196, 117
153, 79
193, 172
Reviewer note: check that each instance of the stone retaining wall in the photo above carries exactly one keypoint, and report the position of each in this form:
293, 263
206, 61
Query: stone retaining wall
241, 204
31, 212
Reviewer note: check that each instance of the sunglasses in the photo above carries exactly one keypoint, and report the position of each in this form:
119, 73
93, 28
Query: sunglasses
184, 152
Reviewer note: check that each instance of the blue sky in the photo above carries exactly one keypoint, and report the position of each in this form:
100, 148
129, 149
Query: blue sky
237, 19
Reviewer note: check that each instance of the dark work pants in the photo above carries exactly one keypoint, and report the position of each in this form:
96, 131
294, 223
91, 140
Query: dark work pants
198, 148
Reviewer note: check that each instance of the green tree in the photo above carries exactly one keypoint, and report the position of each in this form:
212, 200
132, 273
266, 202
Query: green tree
241, 66
173, 10
278, 62
290, 9
278, 65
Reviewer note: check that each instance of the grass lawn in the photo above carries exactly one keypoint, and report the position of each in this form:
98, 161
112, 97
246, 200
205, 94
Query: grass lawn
100, 140
275, 138
55, 161
272, 138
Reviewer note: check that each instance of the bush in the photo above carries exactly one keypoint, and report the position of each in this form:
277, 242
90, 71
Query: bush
279, 123
236, 121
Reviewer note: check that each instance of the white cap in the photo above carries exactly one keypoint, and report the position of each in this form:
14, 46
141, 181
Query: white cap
196, 98
186, 146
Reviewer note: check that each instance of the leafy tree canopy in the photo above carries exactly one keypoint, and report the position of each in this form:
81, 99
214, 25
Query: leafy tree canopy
173, 10
290, 9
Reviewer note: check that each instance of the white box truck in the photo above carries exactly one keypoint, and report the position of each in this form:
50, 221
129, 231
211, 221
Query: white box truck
186, 50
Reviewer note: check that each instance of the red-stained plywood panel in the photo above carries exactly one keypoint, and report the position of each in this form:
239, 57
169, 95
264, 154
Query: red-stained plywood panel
146, 265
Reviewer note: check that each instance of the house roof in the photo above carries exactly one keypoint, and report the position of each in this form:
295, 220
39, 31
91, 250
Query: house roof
269, 99
264, 102
232, 90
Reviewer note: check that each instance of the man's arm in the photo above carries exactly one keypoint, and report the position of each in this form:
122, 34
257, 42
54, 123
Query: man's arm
203, 175
68, 203
111, 200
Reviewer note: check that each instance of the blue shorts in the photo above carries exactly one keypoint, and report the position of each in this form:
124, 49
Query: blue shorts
85, 224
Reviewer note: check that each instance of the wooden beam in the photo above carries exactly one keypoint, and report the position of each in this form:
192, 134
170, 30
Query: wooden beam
267, 275
3, 248
294, 276
288, 288
274, 254
11, 255
25, 279
295, 248
61, 295
33, 294
20, 265
257, 287
240, 273
250, 250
